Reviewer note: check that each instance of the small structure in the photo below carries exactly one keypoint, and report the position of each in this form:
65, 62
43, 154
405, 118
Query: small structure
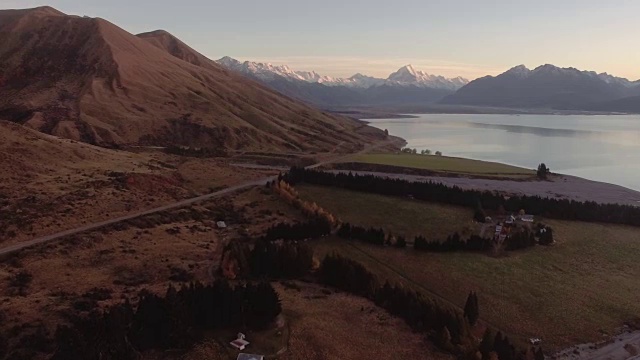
535, 341
221, 225
240, 343
243, 356
527, 218
510, 220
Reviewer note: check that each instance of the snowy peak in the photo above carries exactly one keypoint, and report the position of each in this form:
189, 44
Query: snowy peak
408, 75
405, 76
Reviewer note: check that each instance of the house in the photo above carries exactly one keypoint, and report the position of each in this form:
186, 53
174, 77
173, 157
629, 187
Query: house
221, 225
243, 356
526, 218
240, 343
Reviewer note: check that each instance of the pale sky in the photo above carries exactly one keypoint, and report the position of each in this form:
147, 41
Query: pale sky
469, 38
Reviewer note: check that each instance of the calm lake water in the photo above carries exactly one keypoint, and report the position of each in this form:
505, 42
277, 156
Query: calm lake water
603, 148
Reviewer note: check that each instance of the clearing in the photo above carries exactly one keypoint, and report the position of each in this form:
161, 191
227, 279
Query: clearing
370, 210
579, 290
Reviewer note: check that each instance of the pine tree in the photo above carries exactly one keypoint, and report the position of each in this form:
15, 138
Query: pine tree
471, 310
487, 344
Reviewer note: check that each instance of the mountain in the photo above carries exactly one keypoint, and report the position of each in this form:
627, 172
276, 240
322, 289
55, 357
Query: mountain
87, 79
406, 87
405, 76
546, 86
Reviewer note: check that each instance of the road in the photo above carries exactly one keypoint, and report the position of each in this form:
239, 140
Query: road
182, 203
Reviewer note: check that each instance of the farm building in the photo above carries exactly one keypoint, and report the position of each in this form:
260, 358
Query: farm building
527, 218
240, 343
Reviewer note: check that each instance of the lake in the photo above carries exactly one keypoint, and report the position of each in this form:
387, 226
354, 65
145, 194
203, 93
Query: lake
597, 147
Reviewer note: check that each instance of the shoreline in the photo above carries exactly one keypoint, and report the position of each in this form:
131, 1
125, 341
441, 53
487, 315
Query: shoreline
411, 112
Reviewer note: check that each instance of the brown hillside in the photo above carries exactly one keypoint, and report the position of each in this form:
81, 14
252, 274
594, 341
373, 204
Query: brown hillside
86, 79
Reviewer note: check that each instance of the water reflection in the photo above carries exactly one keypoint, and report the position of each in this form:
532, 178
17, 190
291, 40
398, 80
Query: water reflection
603, 148
539, 131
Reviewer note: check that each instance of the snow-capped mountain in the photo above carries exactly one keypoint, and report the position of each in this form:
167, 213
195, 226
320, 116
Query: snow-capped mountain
546, 86
405, 76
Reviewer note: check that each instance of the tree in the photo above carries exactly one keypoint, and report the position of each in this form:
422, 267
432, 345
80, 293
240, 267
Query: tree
487, 344
543, 171
438, 153
471, 309
444, 339
539, 355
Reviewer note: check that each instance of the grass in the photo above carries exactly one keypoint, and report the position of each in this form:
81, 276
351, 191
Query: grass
443, 164
382, 212
576, 291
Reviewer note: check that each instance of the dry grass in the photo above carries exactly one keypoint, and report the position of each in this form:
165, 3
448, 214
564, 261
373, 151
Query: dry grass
169, 246
48, 184
341, 326
108, 86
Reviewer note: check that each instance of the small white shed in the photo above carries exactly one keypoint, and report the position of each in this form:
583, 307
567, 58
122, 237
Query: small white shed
240, 343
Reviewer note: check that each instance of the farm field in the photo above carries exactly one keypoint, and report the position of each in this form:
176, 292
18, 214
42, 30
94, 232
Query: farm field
581, 289
444, 164
398, 215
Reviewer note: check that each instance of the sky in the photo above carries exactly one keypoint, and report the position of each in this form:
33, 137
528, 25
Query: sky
468, 38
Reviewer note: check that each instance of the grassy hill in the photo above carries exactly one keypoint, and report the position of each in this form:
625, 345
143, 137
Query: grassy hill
89, 80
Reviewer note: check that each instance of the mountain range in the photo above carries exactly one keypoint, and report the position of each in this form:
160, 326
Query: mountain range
407, 86
546, 87
89, 80
550, 87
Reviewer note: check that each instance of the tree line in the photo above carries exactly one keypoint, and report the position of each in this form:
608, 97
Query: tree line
314, 228
562, 209
175, 321
447, 327
453, 243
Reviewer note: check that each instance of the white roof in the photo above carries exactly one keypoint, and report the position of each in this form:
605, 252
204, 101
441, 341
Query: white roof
239, 344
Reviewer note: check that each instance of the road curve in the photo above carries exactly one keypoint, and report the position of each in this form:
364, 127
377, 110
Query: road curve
43, 239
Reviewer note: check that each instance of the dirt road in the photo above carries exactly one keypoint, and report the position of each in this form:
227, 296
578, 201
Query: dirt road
43, 239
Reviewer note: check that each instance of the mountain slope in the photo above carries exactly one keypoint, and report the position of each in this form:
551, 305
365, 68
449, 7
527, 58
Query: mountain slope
87, 79
544, 87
